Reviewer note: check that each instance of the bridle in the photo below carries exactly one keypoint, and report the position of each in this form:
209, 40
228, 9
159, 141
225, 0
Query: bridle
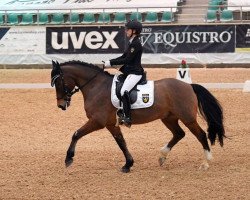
67, 92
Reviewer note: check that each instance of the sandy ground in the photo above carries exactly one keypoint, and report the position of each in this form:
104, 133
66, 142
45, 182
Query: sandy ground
200, 75
35, 135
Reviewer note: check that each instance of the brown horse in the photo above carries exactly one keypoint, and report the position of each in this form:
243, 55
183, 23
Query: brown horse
174, 101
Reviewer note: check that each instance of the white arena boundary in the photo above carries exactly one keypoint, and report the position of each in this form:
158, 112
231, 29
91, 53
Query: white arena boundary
48, 86
25, 86
246, 87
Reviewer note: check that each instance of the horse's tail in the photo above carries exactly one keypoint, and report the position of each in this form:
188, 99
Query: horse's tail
212, 112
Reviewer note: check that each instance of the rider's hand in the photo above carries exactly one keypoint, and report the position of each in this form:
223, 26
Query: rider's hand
107, 64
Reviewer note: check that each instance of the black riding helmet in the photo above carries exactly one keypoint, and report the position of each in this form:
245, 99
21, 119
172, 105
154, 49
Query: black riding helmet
134, 25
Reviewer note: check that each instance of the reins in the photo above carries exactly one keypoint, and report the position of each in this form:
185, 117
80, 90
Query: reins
82, 86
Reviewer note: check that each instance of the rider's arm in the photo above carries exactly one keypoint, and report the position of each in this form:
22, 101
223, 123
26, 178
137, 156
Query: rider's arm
127, 57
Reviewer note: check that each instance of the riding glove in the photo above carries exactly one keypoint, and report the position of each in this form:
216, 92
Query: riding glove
107, 64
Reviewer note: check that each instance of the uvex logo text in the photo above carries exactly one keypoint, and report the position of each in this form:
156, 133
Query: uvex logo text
92, 40
82, 40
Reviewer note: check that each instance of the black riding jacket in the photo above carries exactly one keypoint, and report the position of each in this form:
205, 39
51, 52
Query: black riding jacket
131, 58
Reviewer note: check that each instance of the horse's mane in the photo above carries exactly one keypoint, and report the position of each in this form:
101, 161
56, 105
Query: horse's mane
84, 64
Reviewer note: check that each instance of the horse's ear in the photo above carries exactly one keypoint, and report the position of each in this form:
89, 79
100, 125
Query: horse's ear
54, 65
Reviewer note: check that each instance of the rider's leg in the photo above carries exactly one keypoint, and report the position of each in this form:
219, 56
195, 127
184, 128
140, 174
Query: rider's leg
129, 83
126, 109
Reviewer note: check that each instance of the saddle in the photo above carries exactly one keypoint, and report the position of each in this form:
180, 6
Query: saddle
132, 93
141, 96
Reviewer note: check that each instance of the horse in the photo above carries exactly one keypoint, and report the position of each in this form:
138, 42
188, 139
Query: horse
174, 101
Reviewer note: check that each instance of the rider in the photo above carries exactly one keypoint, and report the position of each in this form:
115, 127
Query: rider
132, 69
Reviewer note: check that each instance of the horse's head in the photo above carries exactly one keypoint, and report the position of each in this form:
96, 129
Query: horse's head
63, 86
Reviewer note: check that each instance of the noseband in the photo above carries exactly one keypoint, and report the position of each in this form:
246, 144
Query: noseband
67, 93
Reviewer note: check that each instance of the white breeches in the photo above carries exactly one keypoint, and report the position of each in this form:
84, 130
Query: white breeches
130, 82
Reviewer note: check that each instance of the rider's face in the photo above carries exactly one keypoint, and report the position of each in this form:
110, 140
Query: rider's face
129, 32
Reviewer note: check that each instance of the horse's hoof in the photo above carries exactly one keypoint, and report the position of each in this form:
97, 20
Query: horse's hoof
204, 166
161, 160
68, 162
125, 170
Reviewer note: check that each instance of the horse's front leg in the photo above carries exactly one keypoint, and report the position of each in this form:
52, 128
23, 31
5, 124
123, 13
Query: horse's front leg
117, 134
89, 127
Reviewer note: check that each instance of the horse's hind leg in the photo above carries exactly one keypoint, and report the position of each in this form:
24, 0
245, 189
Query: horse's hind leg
201, 136
117, 134
172, 124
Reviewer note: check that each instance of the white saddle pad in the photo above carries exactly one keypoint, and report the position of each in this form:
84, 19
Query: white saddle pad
145, 95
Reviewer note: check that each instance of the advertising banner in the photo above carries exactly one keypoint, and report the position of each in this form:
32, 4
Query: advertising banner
237, 5
155, 39
22, 40
243, 38
85, 40
188, 39
3, 31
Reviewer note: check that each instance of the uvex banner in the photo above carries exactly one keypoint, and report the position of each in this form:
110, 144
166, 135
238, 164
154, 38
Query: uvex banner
92, 40
155, 39
188, 39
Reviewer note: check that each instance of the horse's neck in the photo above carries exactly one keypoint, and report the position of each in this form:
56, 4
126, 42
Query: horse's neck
90, 80
79, 74
97, 88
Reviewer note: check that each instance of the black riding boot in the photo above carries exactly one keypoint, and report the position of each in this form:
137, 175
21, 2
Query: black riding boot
126, 119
